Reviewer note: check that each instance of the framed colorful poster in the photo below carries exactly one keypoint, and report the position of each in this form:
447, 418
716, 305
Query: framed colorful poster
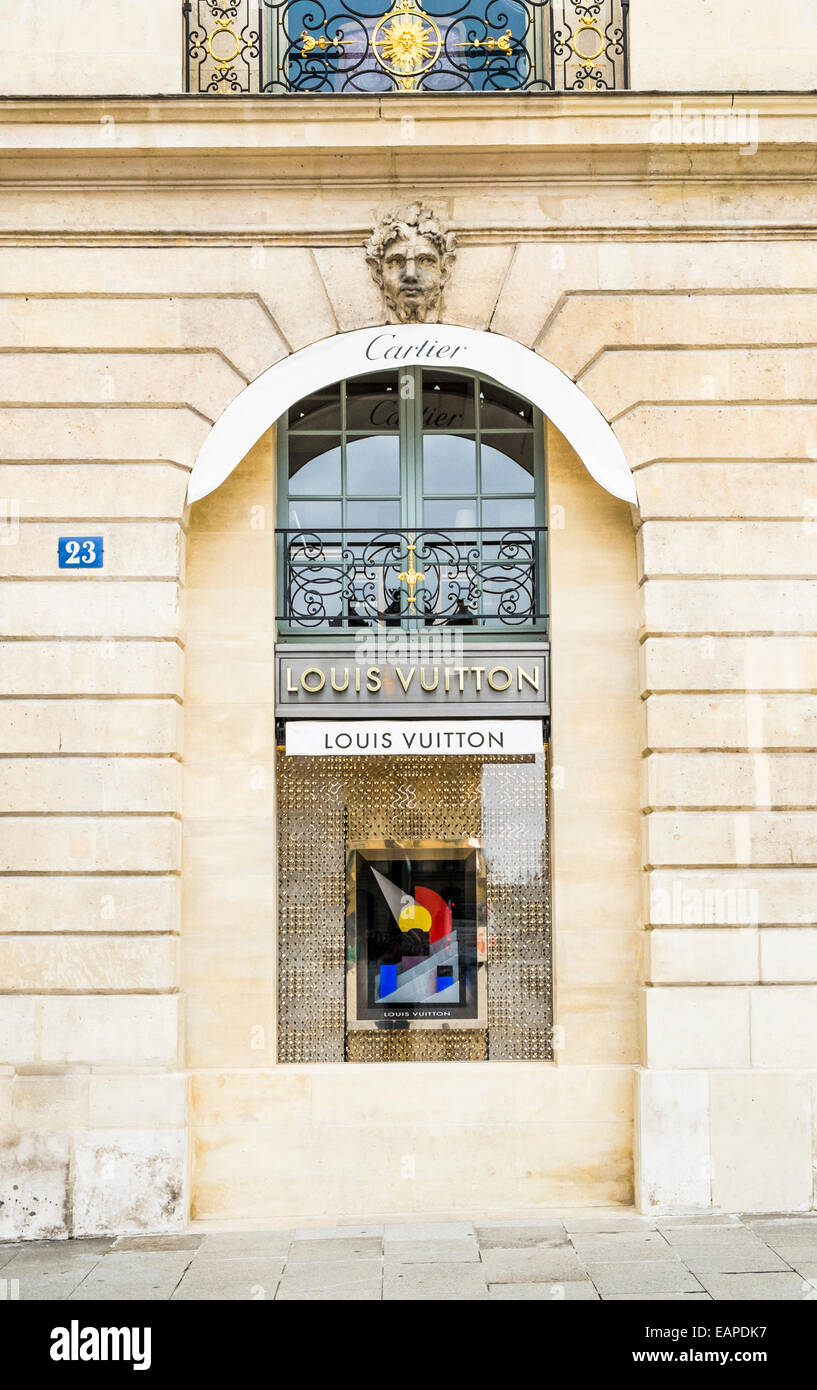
415, 944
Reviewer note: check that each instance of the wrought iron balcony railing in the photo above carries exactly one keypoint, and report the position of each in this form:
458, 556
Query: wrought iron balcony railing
486, 578
279, 46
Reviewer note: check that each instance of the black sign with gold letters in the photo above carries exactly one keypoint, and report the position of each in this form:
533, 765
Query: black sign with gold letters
326, 682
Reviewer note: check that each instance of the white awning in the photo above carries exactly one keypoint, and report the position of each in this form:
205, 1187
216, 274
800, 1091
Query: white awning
439, 345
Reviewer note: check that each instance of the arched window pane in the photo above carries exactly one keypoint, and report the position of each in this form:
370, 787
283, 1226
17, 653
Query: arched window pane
507, 463
373, 403
320, 411
502, 410
448, 401
314, 469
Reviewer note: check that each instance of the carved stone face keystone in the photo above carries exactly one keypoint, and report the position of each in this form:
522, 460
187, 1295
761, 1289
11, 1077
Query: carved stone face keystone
410, 257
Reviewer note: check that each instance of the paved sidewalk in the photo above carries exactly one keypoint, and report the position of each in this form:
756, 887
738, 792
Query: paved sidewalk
586, 1256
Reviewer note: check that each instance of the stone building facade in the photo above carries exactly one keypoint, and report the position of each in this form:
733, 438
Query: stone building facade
159, 252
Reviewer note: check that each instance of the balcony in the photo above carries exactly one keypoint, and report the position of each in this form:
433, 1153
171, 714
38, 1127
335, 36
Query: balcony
488, 579
281, 46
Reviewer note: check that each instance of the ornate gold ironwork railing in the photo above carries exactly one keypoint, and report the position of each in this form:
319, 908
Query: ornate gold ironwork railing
491, 578
279, 46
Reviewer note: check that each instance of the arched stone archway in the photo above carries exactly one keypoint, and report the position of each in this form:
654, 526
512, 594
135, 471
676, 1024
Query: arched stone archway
277, 1138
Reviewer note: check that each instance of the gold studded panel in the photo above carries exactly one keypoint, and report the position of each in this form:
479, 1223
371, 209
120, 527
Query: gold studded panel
323, 803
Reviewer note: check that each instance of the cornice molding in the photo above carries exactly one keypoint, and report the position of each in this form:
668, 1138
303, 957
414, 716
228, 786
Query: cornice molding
544, 146
471, 235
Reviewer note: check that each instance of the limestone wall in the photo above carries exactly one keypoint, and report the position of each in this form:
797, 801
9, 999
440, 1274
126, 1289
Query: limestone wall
706, 46
137, 297
95, 47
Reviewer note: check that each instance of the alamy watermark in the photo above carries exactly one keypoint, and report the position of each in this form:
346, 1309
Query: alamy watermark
691, 125
681, 903
437, 647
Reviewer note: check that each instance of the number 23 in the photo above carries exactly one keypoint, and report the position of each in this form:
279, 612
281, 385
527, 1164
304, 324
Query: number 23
74, 557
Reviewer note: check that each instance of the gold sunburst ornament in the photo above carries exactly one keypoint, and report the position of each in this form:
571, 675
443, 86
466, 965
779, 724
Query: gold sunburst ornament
406, 43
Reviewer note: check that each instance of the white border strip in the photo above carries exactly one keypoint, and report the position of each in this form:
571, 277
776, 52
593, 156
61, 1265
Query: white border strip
333, 738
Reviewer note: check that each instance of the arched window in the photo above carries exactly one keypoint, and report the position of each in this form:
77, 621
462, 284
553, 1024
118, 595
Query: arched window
412, 498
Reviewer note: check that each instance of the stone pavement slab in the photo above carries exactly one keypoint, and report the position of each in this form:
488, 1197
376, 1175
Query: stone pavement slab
791, 1247
419, 1252
612, 1222
429, 1230
804, 1219
671, 1223
711, 1235
439, 1282
533, 1265
241, 1244
640, 1245
338, 1232
667, 1277
32, 1259
734, 1251
333, 1280
512, 1237
256, 1278
151, 1275
328, 1251
33, 1282
50, 1272
756, 1286
656, 1297
724, 1263
616, 1257
570, 1291
154, 1243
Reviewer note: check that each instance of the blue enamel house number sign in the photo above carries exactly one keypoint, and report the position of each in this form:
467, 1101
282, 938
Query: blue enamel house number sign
80, 552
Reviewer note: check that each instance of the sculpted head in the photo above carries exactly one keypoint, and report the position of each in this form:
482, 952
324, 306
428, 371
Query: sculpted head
410, 257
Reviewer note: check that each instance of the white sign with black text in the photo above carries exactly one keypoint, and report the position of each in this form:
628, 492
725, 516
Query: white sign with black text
307, 738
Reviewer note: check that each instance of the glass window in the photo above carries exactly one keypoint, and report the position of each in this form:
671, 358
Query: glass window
376, 514
507, 463
314, 469
373, 466
502, 410
320, 411
308, 513
448, 401
511, 511
373, 403
452, 511
449, 463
